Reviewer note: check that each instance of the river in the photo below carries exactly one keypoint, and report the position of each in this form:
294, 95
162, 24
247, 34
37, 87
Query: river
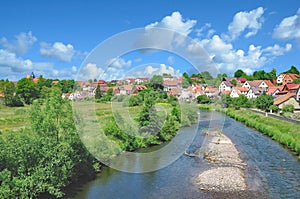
271, 169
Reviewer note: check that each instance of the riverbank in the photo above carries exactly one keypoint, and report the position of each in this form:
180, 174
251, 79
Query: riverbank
286, 133
225, 178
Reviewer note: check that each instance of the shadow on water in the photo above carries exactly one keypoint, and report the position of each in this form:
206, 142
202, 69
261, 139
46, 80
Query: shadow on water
271, 169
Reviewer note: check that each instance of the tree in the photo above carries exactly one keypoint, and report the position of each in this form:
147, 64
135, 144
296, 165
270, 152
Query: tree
289, 108
273, 108
241, 101
296, 81
264, 101
10, 98
98, 94
203, 99
185, 82
206, 75
260, 75
27, 90
293, 70
239, 73
226, 100
233, 82
156, 82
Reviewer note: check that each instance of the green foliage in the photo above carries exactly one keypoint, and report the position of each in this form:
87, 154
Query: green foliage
293, 70
226, 100
98, 94
233, 82
10, 98
203, 99
239, 73
289, 108
273, 108
135, 100
296, 81
284, 132
206, 75
156, 82
264, 101
186, 82
241, 101
45, 158
27, 90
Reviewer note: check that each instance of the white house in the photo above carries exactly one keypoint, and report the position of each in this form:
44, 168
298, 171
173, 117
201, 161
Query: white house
225, 86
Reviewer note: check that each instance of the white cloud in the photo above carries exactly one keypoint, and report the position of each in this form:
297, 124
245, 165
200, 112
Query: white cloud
276, 50
160, 70
58, 51
119, 63
199, 32
175, 22
228, 59
170, 31
289, 28
242, 21
90, 71
21, 43
16, 64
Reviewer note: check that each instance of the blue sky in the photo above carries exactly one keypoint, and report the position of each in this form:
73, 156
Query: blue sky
52, 38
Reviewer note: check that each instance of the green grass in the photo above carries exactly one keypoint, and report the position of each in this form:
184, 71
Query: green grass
13, 118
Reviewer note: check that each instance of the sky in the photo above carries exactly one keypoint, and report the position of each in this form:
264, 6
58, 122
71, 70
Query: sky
70, 39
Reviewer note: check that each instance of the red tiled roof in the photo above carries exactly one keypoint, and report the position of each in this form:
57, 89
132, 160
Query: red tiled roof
292, 86
242, 89
284, 98
174, 82
272, 90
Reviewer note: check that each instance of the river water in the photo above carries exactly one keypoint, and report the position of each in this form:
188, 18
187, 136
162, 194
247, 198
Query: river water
271, 169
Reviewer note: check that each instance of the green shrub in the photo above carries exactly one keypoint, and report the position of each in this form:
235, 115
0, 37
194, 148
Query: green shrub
289, 108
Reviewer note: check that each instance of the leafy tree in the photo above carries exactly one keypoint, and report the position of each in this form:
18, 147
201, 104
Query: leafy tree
293, 70
27, 90
206, 75
98, 94
10, 98
264, 101
169, 129
156, 82
273, 74
233, 82
226, 100
273, 108
185, 82
260, 75
241, 101
289, 108
296, 81
239, 73
203, 99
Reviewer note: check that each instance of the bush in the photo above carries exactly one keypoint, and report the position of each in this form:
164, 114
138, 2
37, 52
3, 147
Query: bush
289, 108
273, 108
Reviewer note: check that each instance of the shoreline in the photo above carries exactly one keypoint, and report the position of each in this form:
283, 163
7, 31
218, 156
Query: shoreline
226, 176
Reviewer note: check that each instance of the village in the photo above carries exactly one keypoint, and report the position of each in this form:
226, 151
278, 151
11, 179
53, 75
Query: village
282, 89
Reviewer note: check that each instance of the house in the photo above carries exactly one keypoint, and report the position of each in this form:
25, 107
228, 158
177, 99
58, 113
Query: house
298, 95
170, 84
237, 91
225, 86
141, 80
274, 90
126, 90
175, 92
211, 91
286, 78
138, 88
289, 98
185, 95
265, 84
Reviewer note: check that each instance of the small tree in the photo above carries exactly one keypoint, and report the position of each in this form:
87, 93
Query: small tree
98, 94
264, 101
203, 99
241, 101
289, 108
273, 108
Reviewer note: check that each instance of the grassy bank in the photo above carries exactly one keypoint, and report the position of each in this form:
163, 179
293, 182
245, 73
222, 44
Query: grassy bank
284, 132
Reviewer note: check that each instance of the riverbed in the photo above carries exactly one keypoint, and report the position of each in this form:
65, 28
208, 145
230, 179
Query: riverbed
271, 170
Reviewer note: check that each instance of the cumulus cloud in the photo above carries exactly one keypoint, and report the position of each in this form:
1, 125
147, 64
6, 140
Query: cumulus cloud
90, 71
251, 21
277, 50
170, 31
228, 59
160, 70
21, 43
119, 63
175, 22
58, 51
14, 63
289, 28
